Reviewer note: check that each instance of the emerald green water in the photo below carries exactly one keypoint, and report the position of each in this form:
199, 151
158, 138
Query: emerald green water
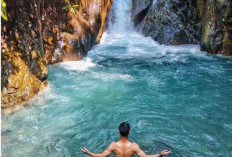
174, 97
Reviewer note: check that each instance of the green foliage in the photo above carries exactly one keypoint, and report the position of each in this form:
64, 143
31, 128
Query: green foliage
71, 8
3, 10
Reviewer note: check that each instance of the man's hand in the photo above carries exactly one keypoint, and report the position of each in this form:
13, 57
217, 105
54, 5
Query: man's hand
165, 152
84, 150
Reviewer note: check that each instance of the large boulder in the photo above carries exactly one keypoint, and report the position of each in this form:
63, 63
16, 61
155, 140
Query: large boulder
139, 10
204, 22
171, 22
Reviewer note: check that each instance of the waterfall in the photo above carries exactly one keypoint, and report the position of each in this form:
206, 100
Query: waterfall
128, 77
120, 17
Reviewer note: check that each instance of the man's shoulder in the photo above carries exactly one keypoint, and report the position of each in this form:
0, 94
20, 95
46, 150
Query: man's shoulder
134, 145
113, 144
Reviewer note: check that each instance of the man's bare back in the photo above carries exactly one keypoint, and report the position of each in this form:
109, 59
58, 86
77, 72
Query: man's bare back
123, 147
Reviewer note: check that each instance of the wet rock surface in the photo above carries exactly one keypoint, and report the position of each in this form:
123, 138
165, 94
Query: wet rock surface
74, 33
171, 22
139, 10
216, 26
38, 33
207, 23
23, 68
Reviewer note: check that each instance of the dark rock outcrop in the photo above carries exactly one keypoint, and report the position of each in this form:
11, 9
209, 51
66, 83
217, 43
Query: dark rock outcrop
42, 32
139, 10
216, 26
169, 21
204, 22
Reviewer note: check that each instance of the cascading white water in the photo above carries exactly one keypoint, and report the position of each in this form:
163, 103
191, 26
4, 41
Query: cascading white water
120, 17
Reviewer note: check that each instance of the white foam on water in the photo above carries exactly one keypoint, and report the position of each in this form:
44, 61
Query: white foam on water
134, 45
121, 33
39, 100
82, 65
187, 49
43, 95
112, 77
103, 38
138, 46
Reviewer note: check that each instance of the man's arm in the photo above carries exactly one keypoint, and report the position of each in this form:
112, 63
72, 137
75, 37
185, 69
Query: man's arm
107, 152
140, 153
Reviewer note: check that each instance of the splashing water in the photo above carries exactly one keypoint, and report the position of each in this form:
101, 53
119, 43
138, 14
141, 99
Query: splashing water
119, 21
174, 97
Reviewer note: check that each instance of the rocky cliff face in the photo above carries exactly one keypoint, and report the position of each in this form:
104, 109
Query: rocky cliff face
203, 22
216, 17
73, 33
23, 67
168, 21
42, 32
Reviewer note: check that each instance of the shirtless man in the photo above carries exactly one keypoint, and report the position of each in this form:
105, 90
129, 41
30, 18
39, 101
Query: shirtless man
124, 148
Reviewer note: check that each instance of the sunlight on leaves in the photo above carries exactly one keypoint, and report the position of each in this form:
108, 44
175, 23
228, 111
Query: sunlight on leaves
3, 10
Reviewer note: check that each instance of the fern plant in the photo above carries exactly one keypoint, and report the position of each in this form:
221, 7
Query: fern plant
71, 8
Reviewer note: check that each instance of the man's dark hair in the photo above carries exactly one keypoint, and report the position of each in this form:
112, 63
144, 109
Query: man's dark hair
124, 128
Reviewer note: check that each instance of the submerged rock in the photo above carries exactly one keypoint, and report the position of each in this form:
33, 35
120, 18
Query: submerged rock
38, 33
